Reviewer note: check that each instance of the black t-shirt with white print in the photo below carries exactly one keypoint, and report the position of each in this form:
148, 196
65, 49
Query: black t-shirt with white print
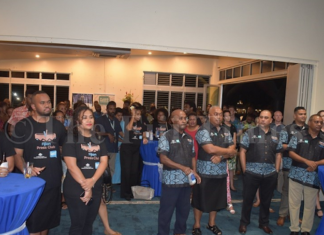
41, 144
87, 151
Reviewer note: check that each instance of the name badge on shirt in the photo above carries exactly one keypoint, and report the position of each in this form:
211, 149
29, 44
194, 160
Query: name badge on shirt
306, 141
53, 154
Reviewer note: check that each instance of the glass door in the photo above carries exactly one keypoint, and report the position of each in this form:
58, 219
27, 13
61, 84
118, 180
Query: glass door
212, 95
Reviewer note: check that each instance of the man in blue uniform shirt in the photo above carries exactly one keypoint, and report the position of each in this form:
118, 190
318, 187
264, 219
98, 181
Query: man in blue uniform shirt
307, 152
177, 154
260, 159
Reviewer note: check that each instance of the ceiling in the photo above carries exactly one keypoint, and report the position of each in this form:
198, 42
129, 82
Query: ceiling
16, 51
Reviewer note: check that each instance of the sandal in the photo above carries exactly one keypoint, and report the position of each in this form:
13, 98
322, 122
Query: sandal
196, 231
214, 229
230, 208
64, 205
318, 210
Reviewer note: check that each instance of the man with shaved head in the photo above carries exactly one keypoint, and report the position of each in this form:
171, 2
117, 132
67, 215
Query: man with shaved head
215, 145
307, 153
177, 154
260, 156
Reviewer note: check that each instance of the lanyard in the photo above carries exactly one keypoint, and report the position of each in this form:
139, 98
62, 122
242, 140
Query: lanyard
112, 124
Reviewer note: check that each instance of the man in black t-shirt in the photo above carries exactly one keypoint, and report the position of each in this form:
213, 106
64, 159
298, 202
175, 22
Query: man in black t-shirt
38, 139
6, 150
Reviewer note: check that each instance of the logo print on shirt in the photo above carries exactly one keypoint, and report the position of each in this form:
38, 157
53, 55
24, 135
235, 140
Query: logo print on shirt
90, 148
45, 136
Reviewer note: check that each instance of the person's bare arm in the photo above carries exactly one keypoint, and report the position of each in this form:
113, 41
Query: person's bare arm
19, 160
278, 161
169, 163
215, 150
298, 158
11, 163
243, 159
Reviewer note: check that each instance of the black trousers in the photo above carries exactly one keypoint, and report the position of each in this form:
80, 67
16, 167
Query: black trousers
251, 183
82, 216
177, 199
130, 172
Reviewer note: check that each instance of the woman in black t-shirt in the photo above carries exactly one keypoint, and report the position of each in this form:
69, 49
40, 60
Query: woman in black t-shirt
86, 159
160, 124
129, 152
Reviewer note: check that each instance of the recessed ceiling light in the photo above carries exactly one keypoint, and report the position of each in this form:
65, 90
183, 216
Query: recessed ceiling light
37, 56
184, 52
150, 53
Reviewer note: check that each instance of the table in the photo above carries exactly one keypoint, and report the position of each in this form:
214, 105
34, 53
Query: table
320, 229
18, 197
152, 166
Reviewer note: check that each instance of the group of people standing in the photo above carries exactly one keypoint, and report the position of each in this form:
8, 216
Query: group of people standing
205, 148
260, 156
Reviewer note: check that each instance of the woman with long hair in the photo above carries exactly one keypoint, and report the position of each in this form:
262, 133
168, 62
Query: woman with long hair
130, 151
86, 159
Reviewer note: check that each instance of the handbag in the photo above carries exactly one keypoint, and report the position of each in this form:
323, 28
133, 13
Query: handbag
107, 186
143, 192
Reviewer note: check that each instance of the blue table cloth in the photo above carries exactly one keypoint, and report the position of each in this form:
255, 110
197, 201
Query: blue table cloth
151, 166
18, 198
320, 229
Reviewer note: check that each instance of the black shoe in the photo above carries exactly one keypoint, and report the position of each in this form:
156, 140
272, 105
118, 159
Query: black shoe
196, 231
294, 233
128, 197
214, 229
242, 228
305, 233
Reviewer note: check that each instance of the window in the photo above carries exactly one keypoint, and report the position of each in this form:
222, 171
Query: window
17, 94
17, 74
255, 69
62, 93
202, 81
176, 100
163, 79
237, 72
177, 80
57, 89
266, 66
181, 87
246, 70
4, 94
229, 73
163, 99
63, 76
279, 65
222, 75
50, 91
33, 75
148, 98
50, 76
4, 74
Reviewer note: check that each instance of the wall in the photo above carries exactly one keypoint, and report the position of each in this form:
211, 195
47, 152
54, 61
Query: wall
114, 76
288, 30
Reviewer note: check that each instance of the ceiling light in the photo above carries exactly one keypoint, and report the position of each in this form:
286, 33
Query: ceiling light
37, 56
184, 52
15, 94
18, 98
150, 53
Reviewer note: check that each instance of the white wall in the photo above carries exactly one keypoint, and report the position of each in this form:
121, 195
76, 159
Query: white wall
283, 30
114, 76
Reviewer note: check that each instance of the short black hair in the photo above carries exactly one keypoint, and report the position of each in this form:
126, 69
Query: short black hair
314, 115
38, 93
30, 91
56, 112
191, 114
111, 103
191, 105
299, 108
226, 111
163, 110
118, 110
